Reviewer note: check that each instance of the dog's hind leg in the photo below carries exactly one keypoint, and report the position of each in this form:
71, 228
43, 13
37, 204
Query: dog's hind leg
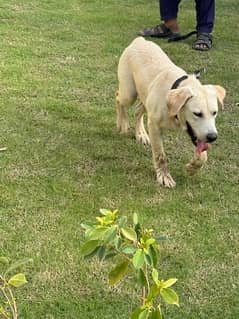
122, 121
140, 131
126, 95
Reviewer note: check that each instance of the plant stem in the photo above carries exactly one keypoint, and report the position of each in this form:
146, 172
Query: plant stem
13, 301
143, 294
4, 315
145, 290
14, 315
146, 273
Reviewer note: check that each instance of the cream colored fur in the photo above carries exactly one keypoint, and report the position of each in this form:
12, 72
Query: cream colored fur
146, 72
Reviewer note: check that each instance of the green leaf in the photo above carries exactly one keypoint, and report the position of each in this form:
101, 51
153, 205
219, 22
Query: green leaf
17, 280
150, 241
88, 247
156, 314
110, 234
122, 221
88, 232
144, 314
104, 212
118, 272
135, 219
138, 258
129, 233
142, 279
110, 254
169, 282
4, 260
117, 242
100, 220
169, 296
108, 217
94, 252
98, 233
101, 252
148, 259
155, 276
136, 313
137, 229
153, 255
86, 226
154, 291
129, 249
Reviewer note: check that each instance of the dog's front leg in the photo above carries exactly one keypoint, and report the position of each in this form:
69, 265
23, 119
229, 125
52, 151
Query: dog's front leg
198, 160
159, 157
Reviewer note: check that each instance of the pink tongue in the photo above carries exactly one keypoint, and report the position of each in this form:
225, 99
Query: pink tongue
201, 146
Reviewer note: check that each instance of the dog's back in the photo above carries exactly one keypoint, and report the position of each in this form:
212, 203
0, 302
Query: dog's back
139, 64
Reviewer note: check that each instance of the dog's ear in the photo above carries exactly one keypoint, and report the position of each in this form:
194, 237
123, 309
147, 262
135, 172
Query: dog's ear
221, 93
177, 98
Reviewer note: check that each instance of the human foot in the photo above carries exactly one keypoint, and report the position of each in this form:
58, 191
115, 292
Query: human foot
203, 42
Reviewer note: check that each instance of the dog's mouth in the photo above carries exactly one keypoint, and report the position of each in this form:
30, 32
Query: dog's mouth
200, 145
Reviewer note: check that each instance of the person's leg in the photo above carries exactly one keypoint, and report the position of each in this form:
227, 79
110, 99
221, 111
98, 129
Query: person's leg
168, 14
205, 13
168, 9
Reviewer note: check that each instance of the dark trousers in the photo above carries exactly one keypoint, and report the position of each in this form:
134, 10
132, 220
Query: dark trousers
205, 13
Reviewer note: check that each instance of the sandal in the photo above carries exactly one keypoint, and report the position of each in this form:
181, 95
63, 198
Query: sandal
203, 42
159, 31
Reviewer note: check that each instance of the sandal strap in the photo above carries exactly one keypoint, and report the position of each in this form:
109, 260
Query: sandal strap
205, 38
163, 27
159, 30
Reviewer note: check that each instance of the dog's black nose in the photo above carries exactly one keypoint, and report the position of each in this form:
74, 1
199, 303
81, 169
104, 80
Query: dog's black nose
211, 137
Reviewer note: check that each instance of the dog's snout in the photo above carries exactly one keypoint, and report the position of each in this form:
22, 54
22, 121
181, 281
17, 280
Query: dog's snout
211, 137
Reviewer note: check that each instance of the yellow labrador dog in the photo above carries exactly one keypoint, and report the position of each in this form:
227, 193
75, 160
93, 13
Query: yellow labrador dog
171, 98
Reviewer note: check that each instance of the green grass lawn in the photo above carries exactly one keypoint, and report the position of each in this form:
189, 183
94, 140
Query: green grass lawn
64, 160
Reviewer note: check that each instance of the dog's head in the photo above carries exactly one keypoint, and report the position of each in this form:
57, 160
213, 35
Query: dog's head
196, 109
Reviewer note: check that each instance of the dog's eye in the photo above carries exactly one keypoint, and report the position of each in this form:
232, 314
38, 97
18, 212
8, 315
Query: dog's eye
214, 113
198, 114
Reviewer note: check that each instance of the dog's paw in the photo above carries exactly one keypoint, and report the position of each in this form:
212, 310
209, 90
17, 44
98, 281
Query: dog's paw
123, 127
196, 163
142, 138
166, 180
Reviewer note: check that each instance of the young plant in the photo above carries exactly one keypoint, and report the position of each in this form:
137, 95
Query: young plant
134, 248
8, 306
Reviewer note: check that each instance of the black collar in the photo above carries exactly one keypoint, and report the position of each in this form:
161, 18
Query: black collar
178, 81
